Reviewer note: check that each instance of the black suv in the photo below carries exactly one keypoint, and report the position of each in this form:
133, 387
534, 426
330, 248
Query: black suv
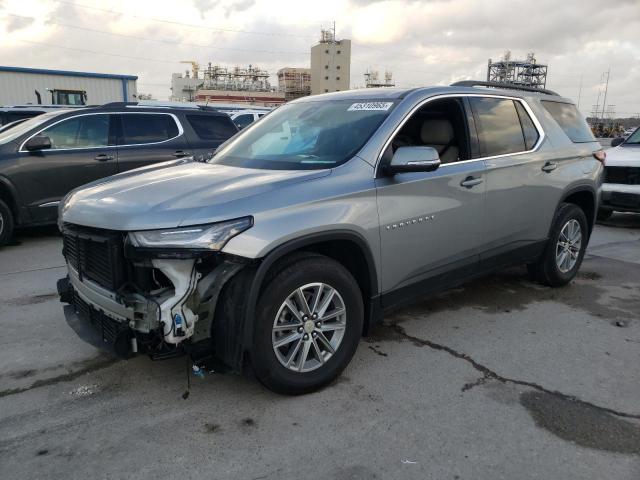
45, 157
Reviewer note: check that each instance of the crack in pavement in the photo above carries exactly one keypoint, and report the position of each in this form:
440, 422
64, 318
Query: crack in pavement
488, 374
2, 274
92, 367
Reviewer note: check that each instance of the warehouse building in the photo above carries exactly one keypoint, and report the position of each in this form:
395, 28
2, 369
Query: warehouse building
59, 87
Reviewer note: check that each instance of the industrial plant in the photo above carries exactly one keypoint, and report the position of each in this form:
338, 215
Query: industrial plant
372, 80
525, 73
249, 85
329, 71
294, 82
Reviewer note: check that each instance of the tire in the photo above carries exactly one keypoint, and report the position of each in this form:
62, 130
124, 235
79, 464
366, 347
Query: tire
604, 214
6, 224
549, 269
276, 323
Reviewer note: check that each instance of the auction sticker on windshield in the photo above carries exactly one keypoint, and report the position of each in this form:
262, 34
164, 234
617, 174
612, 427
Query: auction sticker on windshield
380, 106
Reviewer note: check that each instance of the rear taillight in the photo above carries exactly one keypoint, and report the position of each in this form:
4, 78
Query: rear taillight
600, 155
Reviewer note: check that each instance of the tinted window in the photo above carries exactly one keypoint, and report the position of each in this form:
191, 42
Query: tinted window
570, 120
242, 121
147, 128
529, 130
80, 132
211, 127
498, 126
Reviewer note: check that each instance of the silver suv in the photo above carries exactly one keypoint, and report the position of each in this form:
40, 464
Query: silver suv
287, 246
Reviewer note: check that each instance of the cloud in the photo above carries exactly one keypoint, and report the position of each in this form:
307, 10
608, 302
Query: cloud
17, 23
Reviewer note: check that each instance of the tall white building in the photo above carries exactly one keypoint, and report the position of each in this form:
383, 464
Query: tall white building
330, 64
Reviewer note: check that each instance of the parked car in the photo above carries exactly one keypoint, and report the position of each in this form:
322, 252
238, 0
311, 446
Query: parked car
621, 188
45, 157
13, 113
244, 118
280, 252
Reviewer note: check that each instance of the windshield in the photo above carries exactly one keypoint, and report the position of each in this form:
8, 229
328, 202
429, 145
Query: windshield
634, 138
24, 127
306, 135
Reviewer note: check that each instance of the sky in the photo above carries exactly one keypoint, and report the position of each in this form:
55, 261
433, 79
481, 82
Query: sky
428, 42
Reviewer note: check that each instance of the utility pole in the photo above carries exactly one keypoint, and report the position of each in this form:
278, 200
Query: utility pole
606, 88
580, 91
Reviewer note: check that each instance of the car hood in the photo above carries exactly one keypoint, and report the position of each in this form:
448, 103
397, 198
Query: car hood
623, 156
167, 197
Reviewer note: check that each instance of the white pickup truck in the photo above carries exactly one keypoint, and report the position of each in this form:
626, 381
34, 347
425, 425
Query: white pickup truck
621, 187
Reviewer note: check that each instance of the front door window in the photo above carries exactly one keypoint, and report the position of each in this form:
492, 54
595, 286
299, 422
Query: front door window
85, 131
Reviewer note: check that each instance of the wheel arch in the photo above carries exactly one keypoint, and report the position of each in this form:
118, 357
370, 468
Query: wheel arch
345, 246
585, 197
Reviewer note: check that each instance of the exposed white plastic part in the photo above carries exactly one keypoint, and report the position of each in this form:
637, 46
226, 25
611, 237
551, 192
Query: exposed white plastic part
183, 276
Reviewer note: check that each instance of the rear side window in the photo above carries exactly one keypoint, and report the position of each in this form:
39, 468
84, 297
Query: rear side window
570, 120
529, 130
85, 131
498, 126
212, 127
140, 128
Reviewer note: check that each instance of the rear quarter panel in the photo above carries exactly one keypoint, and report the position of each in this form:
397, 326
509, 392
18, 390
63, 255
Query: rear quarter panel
577, 167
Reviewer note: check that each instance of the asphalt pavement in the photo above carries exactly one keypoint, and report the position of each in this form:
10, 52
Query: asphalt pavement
499, 379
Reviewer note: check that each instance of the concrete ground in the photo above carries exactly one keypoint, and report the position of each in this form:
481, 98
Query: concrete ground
501, 379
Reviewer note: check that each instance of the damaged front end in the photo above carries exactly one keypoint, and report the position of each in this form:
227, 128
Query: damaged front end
151, 291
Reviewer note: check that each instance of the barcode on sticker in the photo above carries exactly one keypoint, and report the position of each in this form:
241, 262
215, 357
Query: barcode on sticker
381, 106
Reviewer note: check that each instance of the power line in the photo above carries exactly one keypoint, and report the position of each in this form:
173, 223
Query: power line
171, 42
95, 52
182, 24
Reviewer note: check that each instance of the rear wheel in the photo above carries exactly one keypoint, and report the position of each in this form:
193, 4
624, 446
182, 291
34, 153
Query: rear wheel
6, 223
565, 249
308, 325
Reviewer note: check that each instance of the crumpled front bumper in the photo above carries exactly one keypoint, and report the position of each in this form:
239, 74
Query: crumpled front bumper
93, 326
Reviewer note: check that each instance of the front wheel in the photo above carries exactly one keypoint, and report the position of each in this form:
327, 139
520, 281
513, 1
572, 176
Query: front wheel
308, 325
565, 249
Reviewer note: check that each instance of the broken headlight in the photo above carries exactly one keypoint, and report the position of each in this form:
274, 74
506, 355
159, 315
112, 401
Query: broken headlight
213, 236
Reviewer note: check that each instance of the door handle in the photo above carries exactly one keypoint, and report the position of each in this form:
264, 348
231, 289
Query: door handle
180, 154
549, 166
471, 182
103, 157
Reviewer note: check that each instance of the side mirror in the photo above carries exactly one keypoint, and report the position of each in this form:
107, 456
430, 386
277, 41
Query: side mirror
39, 142
617, 141
414, 159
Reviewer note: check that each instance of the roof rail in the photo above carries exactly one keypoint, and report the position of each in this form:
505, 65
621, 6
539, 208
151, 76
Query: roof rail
117, 104
505, 86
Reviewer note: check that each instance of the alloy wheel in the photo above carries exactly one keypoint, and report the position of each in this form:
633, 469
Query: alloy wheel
309, 327
568, 246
